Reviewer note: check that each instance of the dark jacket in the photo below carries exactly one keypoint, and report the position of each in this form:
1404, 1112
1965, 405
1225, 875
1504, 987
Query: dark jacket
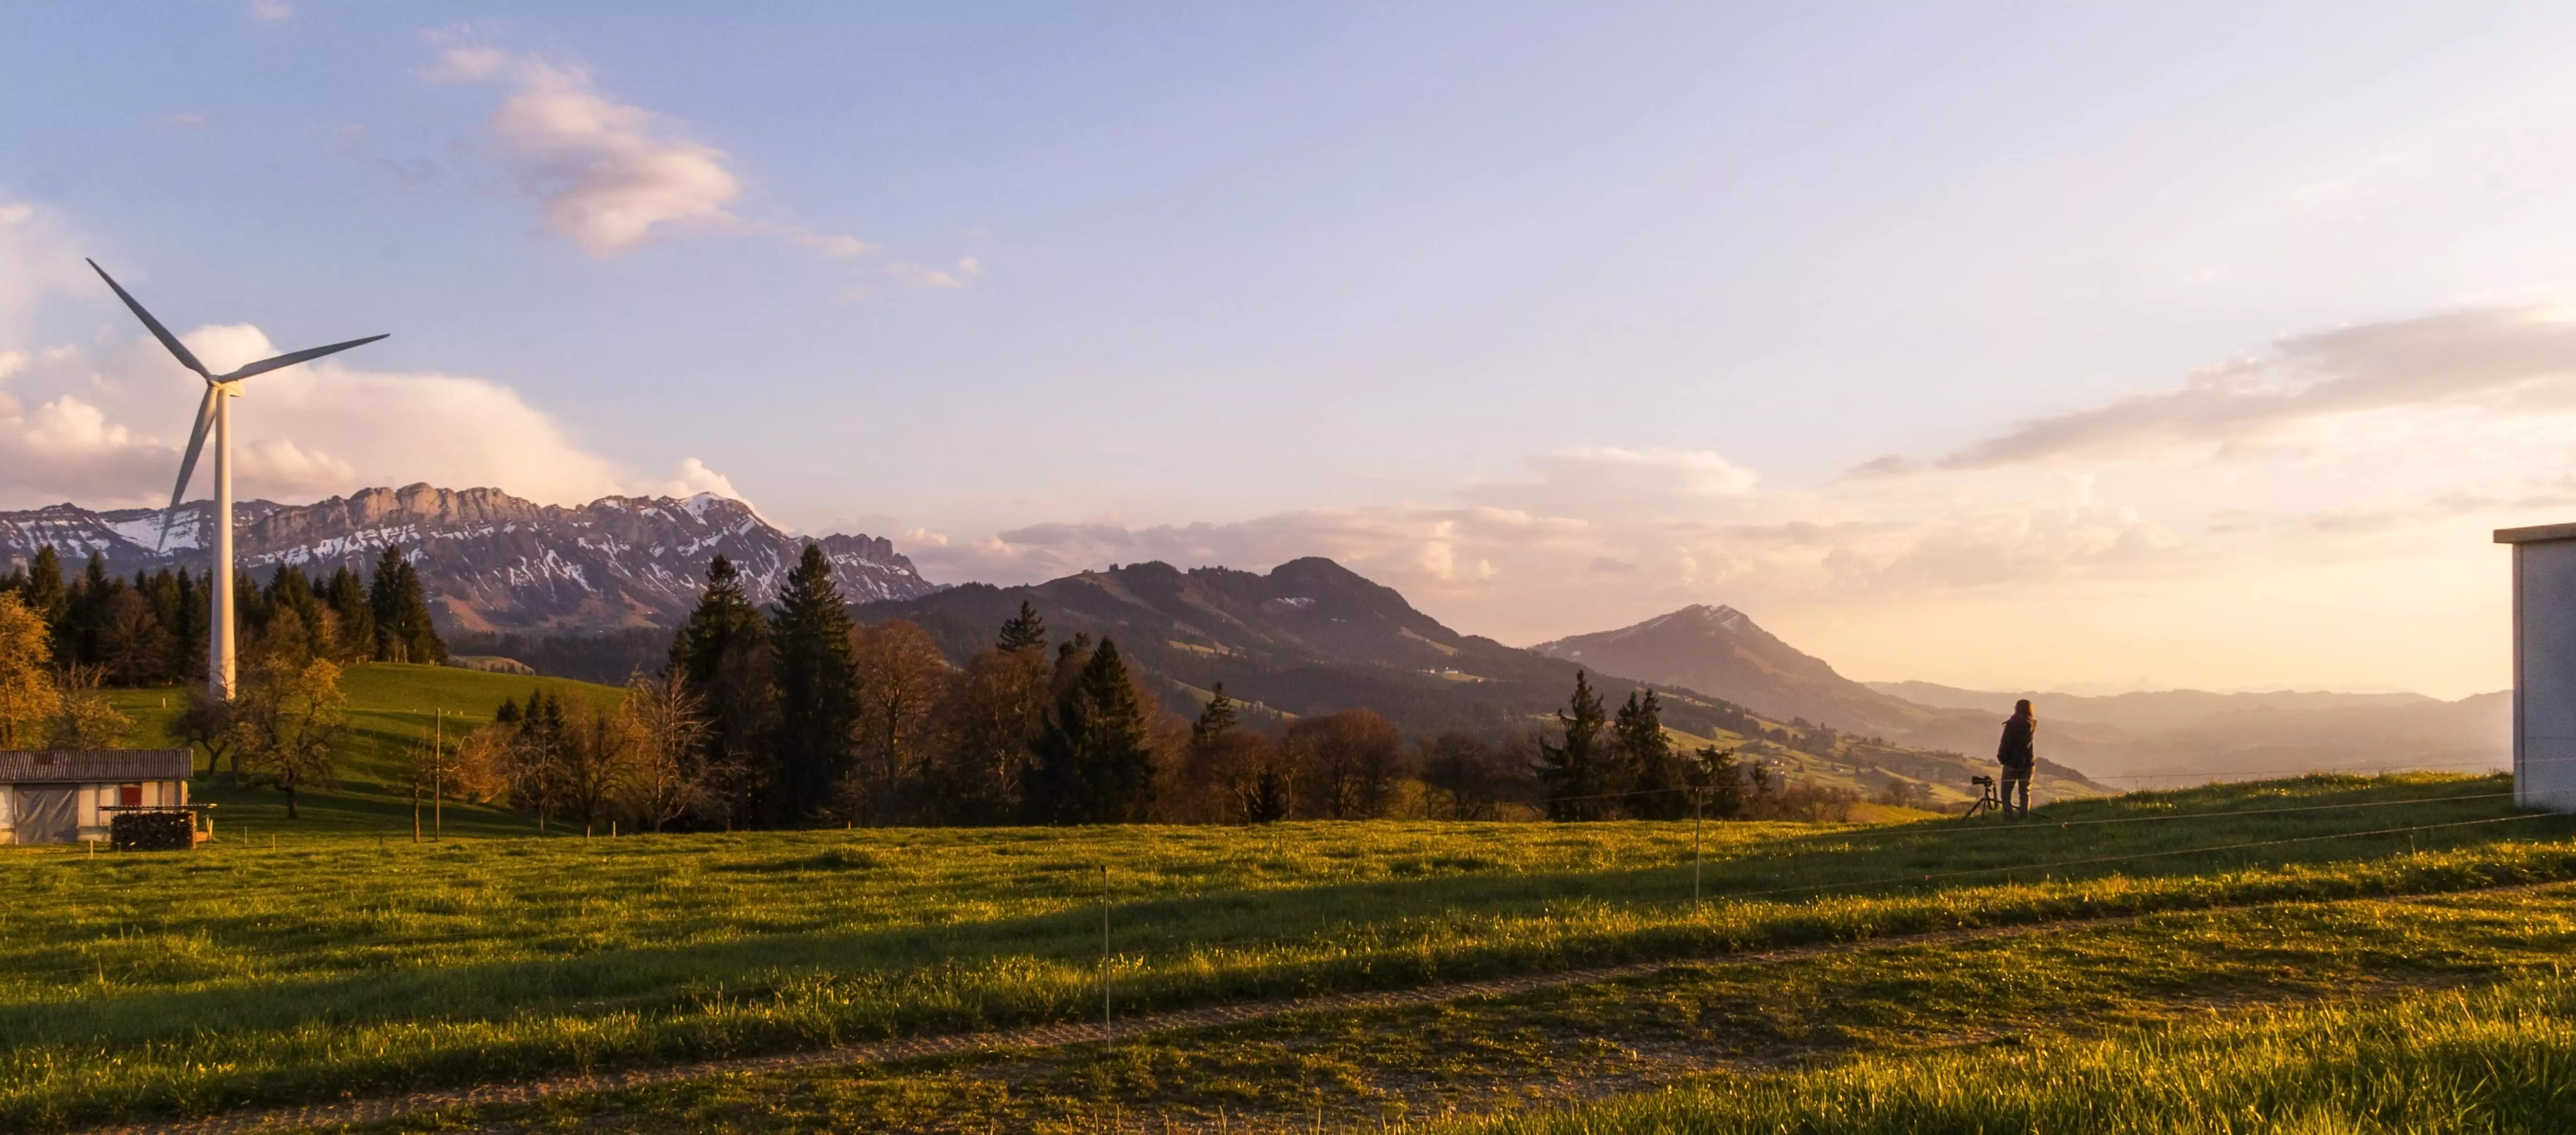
2016, 752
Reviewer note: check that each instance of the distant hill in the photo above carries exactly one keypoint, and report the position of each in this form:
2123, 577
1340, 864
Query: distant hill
490, 561
2133, 740
1719, 651
1311, 636
2145, 738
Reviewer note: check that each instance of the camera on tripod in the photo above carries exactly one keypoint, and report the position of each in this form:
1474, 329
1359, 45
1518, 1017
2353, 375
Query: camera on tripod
1988, 803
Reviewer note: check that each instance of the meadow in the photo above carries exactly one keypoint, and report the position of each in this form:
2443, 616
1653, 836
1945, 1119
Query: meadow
240, 974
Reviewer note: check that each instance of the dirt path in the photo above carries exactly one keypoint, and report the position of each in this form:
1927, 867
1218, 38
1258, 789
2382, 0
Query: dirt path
1056, 1035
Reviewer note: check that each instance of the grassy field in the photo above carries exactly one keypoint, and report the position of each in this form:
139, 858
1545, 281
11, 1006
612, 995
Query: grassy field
180, 984
392, 708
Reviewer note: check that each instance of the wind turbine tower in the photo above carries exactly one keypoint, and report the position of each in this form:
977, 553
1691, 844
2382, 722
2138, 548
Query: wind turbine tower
214, 412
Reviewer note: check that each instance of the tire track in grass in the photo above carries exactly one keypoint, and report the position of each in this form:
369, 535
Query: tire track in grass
386, 1108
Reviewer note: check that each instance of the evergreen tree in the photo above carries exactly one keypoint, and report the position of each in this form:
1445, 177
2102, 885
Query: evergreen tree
1578, 774
1720, 781
1654, 783
45, 597
508, 714
1094, 757
347, 597
400, 608
810, 642
1214, 720
722, 656
1267, 802
1024, 631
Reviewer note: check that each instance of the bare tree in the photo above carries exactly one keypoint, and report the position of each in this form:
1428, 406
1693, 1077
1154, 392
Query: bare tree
898, 677
83, 717
208, 723
675, 774
593, 762
1348, 763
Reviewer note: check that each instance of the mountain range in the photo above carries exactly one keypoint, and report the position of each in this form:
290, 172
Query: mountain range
490, 561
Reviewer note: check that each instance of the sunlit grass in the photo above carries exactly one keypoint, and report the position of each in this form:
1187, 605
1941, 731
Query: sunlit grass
191, 982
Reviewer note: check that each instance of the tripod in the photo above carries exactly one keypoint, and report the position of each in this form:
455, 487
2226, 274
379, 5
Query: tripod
1988, 803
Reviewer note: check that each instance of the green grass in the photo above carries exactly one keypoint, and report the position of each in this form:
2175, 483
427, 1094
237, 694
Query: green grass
2472, 1062
196, 982
392, 709
1361, 1068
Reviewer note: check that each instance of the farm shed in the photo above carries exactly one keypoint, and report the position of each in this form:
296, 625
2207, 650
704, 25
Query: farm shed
2544, 665
62, 795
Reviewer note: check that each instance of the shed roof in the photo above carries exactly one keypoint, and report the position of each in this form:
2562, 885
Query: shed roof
2538, 533
95, 765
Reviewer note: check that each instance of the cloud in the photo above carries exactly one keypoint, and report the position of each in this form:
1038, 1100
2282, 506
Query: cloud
270, 11
612, 176
2503, 359
184, 120
301, 433
608, 176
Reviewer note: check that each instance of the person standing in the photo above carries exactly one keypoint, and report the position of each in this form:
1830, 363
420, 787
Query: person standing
2018, 756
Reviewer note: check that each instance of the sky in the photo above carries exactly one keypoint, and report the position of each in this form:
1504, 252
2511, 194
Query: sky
2079, 347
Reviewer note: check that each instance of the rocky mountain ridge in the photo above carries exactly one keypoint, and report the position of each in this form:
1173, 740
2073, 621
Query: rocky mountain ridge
491, 561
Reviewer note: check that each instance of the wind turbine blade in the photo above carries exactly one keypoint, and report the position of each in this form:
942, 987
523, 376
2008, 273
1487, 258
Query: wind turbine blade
188, 463
306, 355
158, 332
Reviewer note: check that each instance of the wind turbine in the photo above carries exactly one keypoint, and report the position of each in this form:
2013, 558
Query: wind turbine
215, 412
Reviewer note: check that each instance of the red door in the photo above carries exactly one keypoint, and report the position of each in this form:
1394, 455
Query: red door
129, 795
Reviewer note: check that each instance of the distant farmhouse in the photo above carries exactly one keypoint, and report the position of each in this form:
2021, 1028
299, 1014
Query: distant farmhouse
64, 795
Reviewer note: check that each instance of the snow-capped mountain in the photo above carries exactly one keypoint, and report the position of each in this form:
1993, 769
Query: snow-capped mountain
491, 561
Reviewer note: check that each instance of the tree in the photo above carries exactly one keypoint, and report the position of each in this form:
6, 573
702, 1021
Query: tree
131, 646
1024, 631
1720, 781
1216, 718
1094, 761
208, 724
83, 717
399, 608
530, 767
672, 777
985, 722
1654, 784
1468, 778
291, 722
723, 654
27, 695
594, 759
1578, 774
814, 672
45, 595
355, 612
1347, 763
898, 677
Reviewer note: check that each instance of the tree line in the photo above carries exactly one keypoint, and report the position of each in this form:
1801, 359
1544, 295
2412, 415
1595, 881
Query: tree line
798, 716
151, 630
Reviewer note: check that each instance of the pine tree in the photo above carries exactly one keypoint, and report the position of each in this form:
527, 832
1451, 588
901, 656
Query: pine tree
810, 639
722, 656
1214, 720
1720, 781
1094, 758
45, 596
400, 608
1024, 631
347, 597
1654, 783
1577, 774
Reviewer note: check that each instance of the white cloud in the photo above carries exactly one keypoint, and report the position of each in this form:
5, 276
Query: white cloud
607, 175
301, 433
270, 11
612, 176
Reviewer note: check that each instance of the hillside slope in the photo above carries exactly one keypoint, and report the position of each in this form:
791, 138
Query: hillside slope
490, 561
1312, 637
1721, 652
